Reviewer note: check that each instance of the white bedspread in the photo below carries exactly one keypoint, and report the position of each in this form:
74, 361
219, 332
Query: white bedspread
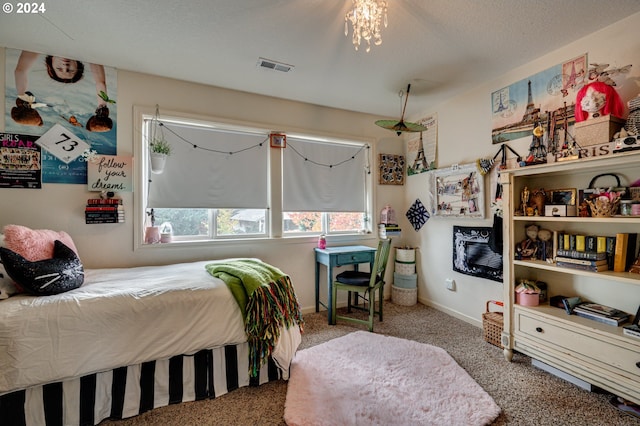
118, 317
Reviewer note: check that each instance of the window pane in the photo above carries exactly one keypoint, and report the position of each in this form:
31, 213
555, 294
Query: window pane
240, 221
344, 222
302, 222
184, 222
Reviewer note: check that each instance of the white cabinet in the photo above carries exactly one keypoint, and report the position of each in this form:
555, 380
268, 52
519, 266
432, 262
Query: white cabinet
597, 353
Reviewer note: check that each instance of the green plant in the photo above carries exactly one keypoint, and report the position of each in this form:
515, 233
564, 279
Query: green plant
160, 146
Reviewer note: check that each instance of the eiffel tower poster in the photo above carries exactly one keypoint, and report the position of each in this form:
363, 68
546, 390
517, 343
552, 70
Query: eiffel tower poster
421, 148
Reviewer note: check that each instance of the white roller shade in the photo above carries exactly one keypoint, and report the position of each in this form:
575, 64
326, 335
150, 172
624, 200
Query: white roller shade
309, 184
195, 177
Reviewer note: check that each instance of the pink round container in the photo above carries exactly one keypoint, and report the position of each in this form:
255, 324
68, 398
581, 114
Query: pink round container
635, 209
528, 299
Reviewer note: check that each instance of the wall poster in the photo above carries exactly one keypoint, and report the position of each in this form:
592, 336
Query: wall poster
66, 99
20, 161
472, 254
391, 169
547, 98
422, 146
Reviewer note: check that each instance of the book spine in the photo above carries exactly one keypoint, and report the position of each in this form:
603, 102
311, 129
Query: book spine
565, 242
581, 261
601, 245
620, 253
581, 243
95, 221
572, 242
556, 237
582, 254
596, 317
103, 208
101, 201
597, 268
590, 243
611, 247
630, 332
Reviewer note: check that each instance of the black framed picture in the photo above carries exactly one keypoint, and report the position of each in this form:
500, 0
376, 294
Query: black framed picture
472, 253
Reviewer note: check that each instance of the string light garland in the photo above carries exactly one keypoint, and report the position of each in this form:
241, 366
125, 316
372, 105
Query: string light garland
260, 144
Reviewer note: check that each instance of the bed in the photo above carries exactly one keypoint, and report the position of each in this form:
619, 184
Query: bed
126, 341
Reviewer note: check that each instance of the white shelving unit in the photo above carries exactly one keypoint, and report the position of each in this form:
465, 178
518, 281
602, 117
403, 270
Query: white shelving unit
596, 353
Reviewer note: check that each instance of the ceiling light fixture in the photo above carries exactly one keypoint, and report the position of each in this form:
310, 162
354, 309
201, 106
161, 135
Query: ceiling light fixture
366, 19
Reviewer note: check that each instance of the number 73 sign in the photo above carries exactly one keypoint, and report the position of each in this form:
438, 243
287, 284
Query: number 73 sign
62, 144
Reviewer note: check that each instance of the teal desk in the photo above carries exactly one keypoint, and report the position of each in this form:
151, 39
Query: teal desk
339, 256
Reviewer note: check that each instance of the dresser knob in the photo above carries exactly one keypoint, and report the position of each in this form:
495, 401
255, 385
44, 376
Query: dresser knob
539, 329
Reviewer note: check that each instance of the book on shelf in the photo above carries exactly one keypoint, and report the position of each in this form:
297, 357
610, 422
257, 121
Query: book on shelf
580, 243
587, 262
591, 268
104, 201
631, 330
590, 243
575, 254
615, 321
610, 249
625, 251
104, 208
601, 313
601, 244
601, 309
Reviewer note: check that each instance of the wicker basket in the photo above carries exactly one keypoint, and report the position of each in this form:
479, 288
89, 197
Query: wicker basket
603, 208
492, 324
404, 296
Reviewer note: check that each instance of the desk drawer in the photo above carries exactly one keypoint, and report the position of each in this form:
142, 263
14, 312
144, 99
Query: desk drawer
351, 258
581, 344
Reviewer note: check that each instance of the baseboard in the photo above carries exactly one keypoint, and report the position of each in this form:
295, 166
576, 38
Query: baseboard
561, 374
456, 314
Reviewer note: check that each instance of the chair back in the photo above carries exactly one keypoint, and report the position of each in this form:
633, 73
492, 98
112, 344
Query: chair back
380, 262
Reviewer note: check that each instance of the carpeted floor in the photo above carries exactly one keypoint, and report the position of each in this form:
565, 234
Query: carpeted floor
527, 395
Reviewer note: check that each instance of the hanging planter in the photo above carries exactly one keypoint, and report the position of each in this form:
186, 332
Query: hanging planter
158, 162
159, 151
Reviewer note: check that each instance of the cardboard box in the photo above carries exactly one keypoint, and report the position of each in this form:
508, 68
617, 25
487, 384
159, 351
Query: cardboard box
560, 210
595, 131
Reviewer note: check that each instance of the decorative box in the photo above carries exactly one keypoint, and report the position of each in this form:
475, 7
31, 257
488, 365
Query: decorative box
595, 131
560, 210
528, 299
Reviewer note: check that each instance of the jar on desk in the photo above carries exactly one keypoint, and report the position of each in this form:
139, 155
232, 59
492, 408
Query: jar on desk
635, 208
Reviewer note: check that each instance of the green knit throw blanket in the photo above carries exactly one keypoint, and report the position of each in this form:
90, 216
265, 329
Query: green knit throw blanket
266, 299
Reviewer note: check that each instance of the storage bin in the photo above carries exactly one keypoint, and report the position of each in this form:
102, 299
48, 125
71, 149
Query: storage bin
405, 254
405, 281
493, 324
404, 296
405, 268
528, 299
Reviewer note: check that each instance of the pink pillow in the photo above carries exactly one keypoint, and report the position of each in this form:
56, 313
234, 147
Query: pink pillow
34, 244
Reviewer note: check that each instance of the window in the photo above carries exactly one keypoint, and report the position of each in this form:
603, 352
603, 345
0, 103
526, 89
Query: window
218, 181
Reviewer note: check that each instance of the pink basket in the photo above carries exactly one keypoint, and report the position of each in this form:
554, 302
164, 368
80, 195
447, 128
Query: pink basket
528, 299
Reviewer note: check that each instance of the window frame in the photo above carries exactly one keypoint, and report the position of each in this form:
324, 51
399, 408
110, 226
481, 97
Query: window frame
274, 215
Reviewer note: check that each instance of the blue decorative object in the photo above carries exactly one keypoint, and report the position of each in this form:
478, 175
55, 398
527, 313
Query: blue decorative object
62, 273
417, 215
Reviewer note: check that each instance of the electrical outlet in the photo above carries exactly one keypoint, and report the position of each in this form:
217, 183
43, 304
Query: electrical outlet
451, 284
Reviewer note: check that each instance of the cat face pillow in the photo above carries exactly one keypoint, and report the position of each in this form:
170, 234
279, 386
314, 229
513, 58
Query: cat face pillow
62, 273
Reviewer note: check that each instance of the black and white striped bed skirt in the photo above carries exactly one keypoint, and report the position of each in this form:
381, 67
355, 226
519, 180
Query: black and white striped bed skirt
132, 390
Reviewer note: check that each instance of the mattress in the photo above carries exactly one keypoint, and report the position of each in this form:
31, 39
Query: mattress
118, 317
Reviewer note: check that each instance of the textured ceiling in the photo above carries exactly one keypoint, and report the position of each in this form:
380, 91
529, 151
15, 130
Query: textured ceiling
441, 47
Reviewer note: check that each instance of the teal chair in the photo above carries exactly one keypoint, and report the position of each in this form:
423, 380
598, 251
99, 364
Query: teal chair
364, 285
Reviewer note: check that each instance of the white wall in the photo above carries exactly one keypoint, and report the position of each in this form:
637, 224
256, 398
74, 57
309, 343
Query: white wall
464, 135
61, 206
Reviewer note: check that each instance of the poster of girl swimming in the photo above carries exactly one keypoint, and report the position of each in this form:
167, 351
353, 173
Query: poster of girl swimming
43, 91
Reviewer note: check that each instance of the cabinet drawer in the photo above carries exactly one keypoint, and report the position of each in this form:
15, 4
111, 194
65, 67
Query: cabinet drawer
583, 345
350, 258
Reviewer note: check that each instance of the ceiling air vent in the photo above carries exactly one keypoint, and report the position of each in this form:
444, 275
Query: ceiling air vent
273, 65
